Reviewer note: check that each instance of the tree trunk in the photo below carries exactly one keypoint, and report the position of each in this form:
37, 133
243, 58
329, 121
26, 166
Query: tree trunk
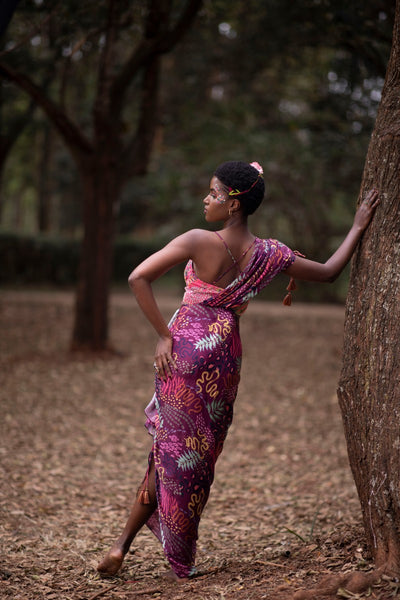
101, 190
369, 387
104, 162
44, 182
6, 12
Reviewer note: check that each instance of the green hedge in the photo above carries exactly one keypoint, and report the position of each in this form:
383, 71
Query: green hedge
43, 259
54, 261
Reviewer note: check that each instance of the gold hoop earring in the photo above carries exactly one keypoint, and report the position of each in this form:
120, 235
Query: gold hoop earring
230, 212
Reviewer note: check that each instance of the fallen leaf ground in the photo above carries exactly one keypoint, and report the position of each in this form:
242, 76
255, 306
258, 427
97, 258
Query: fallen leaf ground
283, 511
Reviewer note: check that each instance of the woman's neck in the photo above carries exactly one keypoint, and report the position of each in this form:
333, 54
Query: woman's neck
236, 221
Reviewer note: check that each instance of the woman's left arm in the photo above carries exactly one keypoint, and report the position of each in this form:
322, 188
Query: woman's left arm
309, 270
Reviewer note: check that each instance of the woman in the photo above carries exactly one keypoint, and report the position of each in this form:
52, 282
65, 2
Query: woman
198, 355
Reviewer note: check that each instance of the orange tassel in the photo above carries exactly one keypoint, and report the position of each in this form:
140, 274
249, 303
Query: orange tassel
287, 301
143, 497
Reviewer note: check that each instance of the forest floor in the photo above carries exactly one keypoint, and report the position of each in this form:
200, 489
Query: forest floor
283, 511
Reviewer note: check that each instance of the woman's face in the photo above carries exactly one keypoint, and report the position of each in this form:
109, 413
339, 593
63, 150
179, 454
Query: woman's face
216, 202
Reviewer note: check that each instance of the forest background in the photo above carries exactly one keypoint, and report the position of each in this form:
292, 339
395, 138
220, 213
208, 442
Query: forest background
293, 85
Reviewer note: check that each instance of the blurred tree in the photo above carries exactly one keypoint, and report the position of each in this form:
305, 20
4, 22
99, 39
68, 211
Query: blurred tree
279, 82
276, 81
17, 111
106, 149
6, 12
11, 127
44, 179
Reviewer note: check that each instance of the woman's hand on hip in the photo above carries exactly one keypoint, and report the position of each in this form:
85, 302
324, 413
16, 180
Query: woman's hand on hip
163, 359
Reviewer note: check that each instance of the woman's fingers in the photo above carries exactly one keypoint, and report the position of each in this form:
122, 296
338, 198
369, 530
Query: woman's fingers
372, 198
166, 367
163, 366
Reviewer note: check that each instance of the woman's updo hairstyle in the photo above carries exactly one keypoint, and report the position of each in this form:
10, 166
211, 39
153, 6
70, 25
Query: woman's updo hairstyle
244, 181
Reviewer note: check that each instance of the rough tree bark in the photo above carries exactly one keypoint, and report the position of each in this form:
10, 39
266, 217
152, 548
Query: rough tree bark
369, 387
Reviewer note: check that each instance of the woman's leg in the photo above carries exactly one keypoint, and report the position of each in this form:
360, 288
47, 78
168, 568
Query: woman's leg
139, 515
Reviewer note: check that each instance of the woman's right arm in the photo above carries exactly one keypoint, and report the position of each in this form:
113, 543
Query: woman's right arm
177, 251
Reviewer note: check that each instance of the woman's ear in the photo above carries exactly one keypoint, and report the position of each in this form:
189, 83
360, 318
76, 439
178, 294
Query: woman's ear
235, 205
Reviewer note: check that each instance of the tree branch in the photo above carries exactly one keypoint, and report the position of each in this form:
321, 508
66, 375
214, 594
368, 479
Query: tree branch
76, 141
104, 79
30, 34
147, 49
182, 25
136, 156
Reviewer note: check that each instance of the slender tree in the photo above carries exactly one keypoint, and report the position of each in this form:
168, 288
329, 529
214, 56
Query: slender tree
6, 12
9, 134
106, 157
369, 388
17, 110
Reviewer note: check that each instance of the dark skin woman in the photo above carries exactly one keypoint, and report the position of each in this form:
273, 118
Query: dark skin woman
218, 261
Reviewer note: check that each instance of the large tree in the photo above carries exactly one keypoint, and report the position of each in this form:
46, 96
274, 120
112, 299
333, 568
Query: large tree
369, 386
107, 150
369, 389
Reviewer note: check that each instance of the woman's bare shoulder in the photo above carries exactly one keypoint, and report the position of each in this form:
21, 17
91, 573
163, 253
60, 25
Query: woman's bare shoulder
201, 233
196, 236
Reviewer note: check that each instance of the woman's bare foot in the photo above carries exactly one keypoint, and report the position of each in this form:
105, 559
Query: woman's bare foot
170, 574
111, 563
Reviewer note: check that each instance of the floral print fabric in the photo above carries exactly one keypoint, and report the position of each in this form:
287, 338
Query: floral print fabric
191, 412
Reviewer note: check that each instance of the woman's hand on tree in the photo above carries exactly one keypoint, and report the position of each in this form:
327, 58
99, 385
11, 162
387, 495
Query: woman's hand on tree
163, 360
366, 210
309, 270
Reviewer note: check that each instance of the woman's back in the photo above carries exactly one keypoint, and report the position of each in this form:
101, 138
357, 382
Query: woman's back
220, 256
